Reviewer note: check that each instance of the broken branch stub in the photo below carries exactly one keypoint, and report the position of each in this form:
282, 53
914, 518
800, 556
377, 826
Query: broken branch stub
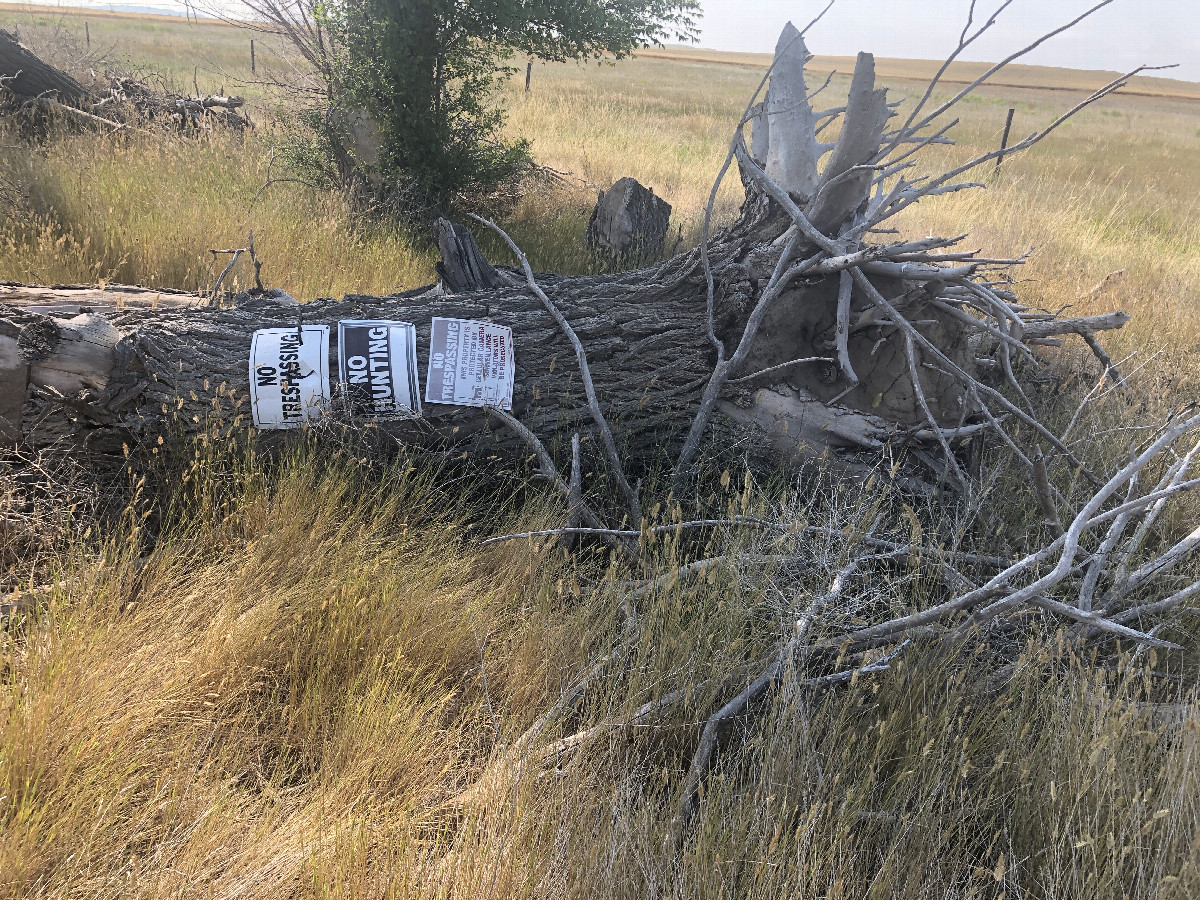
463, 267
847, 176
791, 152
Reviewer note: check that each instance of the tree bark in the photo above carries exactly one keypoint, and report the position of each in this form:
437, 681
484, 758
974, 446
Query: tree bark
119, 375
27, 77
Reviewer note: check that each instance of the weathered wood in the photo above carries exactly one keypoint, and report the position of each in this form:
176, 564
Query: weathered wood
844, 182
1106, 322
26, 76
67, 300
628, 221
792, 149
82, 358
463, 267
760, 134
214, 101
801, 336
14, 383
645, 340
173, 363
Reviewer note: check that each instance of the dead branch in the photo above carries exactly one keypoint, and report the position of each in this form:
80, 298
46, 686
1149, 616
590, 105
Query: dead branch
610, 446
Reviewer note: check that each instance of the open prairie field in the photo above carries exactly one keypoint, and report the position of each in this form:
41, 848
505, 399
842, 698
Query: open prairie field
298, 673
960, 72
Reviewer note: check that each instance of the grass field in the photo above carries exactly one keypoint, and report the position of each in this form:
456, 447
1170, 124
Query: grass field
288, 696
960, 72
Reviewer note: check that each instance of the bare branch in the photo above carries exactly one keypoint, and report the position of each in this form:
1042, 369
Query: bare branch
779, 368
910, 128
631, 499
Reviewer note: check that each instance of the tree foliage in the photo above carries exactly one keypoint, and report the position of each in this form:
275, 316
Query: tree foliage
426, 72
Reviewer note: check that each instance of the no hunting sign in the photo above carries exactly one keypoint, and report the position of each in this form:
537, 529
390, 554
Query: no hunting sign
377, 362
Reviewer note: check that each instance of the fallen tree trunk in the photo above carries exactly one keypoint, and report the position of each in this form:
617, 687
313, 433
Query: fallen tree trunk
132, 363
28, 77
131, 371
783, 335
121, 364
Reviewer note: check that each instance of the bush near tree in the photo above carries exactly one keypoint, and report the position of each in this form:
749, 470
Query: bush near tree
425, 73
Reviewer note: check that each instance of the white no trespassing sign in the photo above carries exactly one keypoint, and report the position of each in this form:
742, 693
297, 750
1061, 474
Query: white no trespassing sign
289, 375
470, 364
377, 362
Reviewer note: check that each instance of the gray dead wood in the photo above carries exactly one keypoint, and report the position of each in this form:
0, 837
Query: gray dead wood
861, 347
839, 344
629, 220
792, 150
463, 267
847, 177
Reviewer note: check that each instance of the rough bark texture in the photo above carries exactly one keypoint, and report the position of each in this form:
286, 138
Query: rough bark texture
172, 362
33, 78
125, 376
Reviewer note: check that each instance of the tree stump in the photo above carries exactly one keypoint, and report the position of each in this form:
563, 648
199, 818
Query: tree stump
628, 221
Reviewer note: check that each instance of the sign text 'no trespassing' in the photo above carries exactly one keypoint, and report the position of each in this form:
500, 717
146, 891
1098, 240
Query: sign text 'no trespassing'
289, 375
470, 364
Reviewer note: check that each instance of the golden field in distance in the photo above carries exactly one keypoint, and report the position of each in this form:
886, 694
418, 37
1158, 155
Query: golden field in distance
960, 72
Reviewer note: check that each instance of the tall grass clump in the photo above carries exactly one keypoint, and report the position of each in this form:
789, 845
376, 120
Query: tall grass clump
300, 649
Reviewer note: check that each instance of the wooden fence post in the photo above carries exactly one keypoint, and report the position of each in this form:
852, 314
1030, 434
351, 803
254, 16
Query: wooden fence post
528, 74
252, 68
1004, 139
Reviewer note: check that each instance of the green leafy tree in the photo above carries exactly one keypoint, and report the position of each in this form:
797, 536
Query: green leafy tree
426, 72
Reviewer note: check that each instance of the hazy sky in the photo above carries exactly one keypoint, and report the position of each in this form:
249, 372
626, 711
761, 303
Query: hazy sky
1119, 37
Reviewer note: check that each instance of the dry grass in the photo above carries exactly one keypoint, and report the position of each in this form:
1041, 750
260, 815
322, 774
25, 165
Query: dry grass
277, 682
288, 695
146, 210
